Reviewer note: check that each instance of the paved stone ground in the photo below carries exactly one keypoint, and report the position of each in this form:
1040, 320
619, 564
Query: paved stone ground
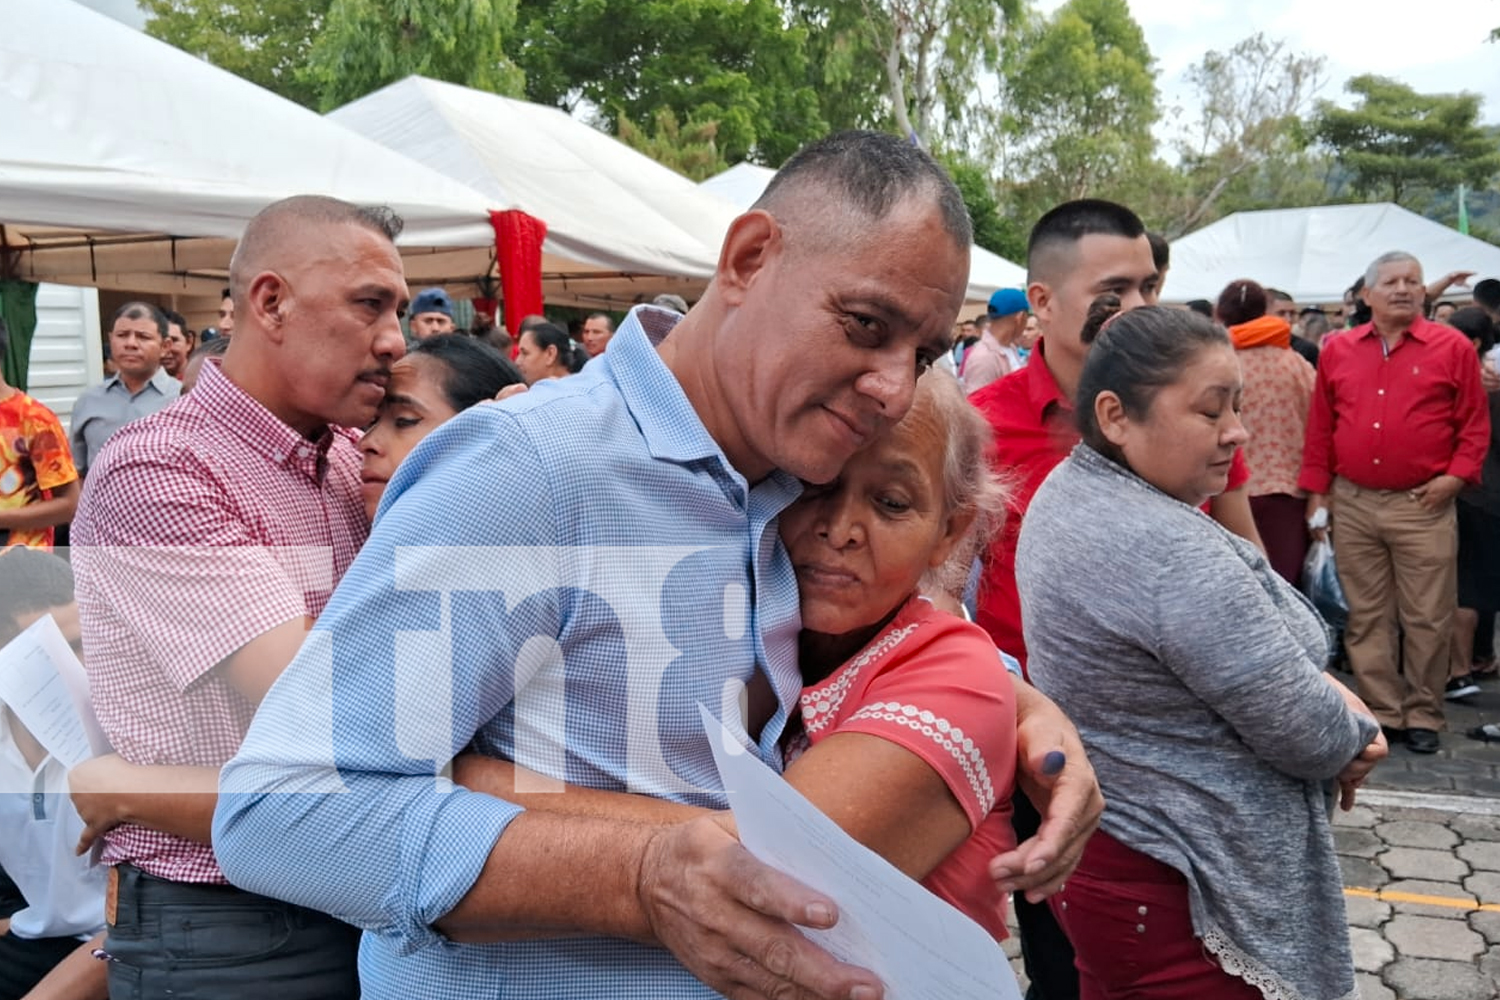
1422, 886
1465, 766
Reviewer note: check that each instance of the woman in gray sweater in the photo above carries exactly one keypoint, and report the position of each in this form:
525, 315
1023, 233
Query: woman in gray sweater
1194, 674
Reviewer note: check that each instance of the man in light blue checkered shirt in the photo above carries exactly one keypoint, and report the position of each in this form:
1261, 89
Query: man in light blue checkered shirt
560, 579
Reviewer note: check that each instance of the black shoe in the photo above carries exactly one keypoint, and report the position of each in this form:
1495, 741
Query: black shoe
1393, 735
1422, 740
1461, 687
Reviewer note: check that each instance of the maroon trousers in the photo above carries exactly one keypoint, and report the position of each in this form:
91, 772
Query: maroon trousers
1127, 916
1282, 522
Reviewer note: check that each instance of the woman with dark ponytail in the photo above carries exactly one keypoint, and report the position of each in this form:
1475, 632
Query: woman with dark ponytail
1195, 675
546, 351
437, 379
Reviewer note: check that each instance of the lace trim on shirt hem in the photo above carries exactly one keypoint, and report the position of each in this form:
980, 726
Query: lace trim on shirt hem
1237, 963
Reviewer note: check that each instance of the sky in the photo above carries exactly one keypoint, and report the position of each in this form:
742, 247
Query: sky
1433, 54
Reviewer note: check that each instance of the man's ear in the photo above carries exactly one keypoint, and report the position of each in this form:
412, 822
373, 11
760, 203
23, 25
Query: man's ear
1039, 295
267, 299
753, 239
1110, 415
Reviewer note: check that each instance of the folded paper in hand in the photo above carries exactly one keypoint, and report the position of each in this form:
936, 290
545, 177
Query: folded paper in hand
43, 683
917, 944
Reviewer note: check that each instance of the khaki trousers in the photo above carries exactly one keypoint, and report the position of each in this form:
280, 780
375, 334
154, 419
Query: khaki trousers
1397, 562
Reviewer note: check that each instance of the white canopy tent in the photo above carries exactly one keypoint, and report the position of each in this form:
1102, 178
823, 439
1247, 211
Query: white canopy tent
637, 223
126, 163
742, 183
1316, 253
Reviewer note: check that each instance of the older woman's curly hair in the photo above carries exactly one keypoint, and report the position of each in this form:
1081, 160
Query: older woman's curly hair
971, 487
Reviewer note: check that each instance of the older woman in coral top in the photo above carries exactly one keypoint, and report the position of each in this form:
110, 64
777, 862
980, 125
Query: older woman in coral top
1278, 392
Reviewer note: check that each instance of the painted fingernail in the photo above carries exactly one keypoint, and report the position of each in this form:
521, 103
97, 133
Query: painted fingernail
1054, 762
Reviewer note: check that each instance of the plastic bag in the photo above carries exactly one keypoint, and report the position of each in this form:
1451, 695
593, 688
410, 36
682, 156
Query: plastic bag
1320, 582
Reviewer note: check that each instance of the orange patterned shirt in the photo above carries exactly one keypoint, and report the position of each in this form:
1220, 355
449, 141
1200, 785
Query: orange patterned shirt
1278, 392
34, 460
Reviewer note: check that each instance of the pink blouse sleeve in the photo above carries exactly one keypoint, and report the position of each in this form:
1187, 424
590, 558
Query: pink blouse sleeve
944, 695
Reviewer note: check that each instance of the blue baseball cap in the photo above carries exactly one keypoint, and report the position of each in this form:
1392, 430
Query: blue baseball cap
431, 300
1008, 302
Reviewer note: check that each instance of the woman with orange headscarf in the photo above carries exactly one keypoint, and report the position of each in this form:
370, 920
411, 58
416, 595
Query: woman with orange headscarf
1278, 392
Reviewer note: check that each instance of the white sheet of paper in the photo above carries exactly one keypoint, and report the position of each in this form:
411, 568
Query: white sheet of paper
44, 684
920, 947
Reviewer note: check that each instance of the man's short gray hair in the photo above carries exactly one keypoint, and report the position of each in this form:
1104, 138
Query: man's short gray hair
1390, 257
291, 220
871, 173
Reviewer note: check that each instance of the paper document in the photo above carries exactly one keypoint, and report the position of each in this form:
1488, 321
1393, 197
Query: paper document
44, 685
920, 947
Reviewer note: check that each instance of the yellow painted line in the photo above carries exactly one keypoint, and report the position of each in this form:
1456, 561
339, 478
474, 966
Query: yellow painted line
1387, 896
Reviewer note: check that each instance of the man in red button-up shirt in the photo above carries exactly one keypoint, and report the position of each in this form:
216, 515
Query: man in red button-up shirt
1399, 423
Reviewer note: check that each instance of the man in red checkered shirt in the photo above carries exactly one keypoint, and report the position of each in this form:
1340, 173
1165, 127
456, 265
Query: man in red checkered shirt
209, 537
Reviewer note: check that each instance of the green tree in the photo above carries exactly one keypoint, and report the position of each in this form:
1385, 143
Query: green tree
1398, 144
264, 41
913, 66
994, 231
1082, 95
843, 69
932, 51
733, 62
323, 53
366, 44
1250, 134
688, 148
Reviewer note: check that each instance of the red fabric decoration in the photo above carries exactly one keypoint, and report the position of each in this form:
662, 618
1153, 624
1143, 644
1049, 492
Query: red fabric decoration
485, 307
518, 247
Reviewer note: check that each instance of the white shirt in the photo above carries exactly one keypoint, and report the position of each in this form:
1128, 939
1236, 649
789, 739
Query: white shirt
64, 896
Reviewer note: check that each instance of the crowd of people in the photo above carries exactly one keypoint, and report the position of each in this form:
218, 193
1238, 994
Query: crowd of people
398, 633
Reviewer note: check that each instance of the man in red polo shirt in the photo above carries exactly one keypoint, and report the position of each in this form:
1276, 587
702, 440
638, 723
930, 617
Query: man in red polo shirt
1077, 251
1399, 423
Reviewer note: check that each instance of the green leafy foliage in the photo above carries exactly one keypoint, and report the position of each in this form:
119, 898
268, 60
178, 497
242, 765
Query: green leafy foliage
324, 53
264, 41
933, 52
1398, 144
366, 44
1083, 98
688, 148
1248, 148
736, 63
995, 232
843, 66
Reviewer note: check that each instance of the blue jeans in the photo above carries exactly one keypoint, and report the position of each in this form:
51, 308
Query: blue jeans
183, 939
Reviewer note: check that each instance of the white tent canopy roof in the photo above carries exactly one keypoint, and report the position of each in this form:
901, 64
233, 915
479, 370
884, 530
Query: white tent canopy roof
128, 163
743, 183
1316, 253
603, 202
